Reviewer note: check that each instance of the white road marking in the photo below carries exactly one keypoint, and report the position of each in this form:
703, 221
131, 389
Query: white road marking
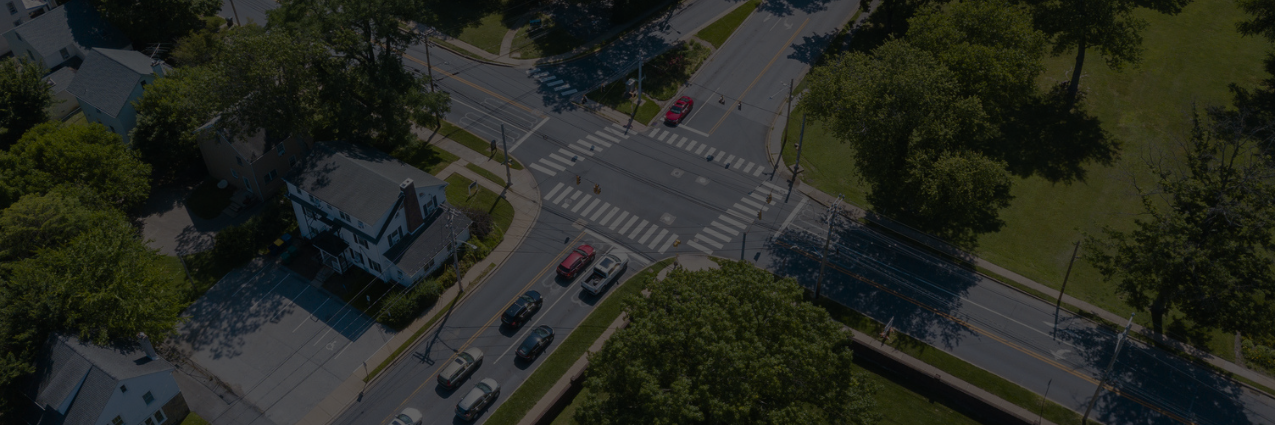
608, 217
692, 145
563, 195
605, 205
629, 224
638, 229
716, 234
696, 245
719, 225
749, 167
556, 83
597, 140
554, 191
561, 159
740, 161
657, 239
746, 209
681, 141
582, 150
703, 239
731, 221
664, 135
668, 243
758, 172
710, 152
607, 136
701, 149
539, 168
648, 234
525, 136
555, 165
756, 205
590, 207
569, 92
617, 132
792, 214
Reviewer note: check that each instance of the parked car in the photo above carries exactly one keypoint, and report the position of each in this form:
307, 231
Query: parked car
459, 369
679, 111
576, 261
605, 273
522, 309
409, 416
478, 399
536, 342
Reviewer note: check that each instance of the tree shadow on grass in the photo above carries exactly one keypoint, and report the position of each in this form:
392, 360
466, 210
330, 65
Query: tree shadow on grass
1047, 137
452, 17
783, 8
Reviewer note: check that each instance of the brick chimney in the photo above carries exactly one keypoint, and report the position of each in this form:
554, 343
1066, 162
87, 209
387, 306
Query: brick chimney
412, 205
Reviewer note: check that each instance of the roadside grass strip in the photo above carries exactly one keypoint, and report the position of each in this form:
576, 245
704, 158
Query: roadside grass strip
718, 32
472, 141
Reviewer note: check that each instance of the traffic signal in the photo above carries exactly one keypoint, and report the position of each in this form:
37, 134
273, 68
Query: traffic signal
677, 242
597, 189
759, 215
577, 179
768, 197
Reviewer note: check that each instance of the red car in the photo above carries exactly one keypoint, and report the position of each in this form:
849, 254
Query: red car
576, 261
679, 111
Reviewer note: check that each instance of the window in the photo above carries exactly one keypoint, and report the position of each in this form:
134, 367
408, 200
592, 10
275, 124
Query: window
359, 240
234, 173
117, 421
65, 54
360, 224
148, 397
12, 10
15, 25
123, 389
271, 175
159, 416
314, 200
374, 265
358, 256
345, 217
280, 148
292, 161
397, 233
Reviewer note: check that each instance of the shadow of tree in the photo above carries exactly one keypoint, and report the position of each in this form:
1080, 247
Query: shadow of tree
1048, 138
218, 322
811, 47
1155, 387
781, 8
452, 17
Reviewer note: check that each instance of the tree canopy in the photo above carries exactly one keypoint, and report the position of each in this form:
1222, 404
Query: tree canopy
24, 99
1204, 245
168, 113
730, 346
87, 159
1262, 21
43, 221
156, 21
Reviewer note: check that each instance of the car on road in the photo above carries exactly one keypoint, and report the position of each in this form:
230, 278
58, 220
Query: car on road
522, 309
409, 416
478, 399
576, 261
460, 368
609, 268
536, 342
679, 111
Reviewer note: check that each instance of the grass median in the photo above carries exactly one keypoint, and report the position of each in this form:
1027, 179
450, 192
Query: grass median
574, 346
719, 31
477, 144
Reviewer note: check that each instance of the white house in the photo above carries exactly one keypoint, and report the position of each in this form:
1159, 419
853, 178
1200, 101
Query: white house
362, 207
16, 13
107, 84
79, 383
63, 34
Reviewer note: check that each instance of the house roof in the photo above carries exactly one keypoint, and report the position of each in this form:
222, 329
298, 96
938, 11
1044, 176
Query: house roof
360, 181
32, 4
70, 361
411, 253
61, 79
107, 78
75, 22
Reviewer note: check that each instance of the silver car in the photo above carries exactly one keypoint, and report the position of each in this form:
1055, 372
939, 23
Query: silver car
478, 399
460, 368
409, 416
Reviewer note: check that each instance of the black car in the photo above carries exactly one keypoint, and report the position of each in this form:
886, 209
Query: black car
536, 342
522, 309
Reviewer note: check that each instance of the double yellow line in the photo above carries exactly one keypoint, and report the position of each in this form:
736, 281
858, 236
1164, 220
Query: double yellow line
571, 246
740, 99
480, 88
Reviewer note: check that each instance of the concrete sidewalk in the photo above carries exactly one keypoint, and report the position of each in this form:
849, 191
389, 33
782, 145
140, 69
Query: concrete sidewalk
524, 195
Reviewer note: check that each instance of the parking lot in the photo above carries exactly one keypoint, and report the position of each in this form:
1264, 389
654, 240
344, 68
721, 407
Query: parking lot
278, 342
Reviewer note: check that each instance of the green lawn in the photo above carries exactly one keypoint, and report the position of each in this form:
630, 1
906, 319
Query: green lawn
486, 174
424, 156
501, 211
718, 32
570, 350
546, 41
193, 419
207, 201
1189, 60
472, 141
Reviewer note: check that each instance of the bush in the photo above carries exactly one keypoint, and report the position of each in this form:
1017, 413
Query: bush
404, 310
481, 222
237, 244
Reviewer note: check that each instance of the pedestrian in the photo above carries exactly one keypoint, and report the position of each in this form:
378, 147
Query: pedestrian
722, 100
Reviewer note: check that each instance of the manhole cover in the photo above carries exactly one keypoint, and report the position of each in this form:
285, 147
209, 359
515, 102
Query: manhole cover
677, 172
667, 219
701, 180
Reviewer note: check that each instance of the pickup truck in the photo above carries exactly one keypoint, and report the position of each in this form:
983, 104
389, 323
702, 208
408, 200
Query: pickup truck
605, 272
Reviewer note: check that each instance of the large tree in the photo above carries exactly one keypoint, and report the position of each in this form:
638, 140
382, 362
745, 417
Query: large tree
168, 114
1203, 245
156, 21
24, 97
367, 94
46, 221
728, 346
1107, 25
87, 159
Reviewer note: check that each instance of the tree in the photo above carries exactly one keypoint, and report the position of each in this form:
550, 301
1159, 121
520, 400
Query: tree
367, 94
156, 21
1108, 25
731, 346
909, 122
46, 221
1204, 245
1263, 18
168, 114
87, 159
24, 97
199, 46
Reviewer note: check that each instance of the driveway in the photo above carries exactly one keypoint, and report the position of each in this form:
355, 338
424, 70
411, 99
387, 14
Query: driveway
170, 228
277, 343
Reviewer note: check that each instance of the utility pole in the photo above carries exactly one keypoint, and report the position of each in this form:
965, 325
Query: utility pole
505, 145
638, 102
429, 66
784, 141
451, 215
1061, 291
823, 261
236, 12
1119, 342
796, 168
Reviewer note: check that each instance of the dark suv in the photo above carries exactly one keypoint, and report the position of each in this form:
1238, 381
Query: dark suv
522, 309
575, 262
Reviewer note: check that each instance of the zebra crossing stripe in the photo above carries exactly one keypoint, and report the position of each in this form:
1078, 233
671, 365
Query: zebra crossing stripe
582, 150
710, 151
628, 225
648, 234
563, 195
668, 243
752, 203
682, 141
608, 217
607, 136
714, 243
745, 209
692, 243
562, 87
758, 172
730, 221
716, 234
561, 159
620, 126
743, 217
569, 92
601, 210
749, 167
663, 135
582, 202
597, 140
590, 207
740, 162
554, 191
552, 164
653, 131
701, 149
638, 229
619, 220
539, 168
657, 239
556, 83
778, 189
728, 159
618, 133
719, 225
692, 145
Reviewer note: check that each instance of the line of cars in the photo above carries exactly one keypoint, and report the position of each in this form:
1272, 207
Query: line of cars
519, 313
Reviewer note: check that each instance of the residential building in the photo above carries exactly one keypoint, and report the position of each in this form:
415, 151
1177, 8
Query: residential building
59, 80
79, 383
64, 33
256, 162
362, 207
108, 83
16, 13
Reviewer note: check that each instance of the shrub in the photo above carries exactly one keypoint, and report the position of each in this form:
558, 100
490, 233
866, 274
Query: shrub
237, 244
481, 222
401, 312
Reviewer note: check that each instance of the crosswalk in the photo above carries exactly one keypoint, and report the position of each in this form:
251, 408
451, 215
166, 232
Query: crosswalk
718, 156
551, 82
727, 226
579, 150
594, 209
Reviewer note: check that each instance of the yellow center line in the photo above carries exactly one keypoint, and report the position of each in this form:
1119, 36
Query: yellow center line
980, 331
740, 100
462, 348
480, 88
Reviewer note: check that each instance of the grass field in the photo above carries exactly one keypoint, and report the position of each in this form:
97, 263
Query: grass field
544, 42
1188, 62
424, 156
472, 141
718, 32
486, 174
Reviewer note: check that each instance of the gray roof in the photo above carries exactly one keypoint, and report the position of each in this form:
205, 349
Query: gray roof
75, 22
414, 251
360, 181
107, 78
61, 78
70, 361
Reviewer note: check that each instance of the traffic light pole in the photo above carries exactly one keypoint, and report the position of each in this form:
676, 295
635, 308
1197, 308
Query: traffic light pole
1103, 381
823, 261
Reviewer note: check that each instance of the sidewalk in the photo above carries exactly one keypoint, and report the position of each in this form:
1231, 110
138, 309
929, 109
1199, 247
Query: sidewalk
524, 195
774, 139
